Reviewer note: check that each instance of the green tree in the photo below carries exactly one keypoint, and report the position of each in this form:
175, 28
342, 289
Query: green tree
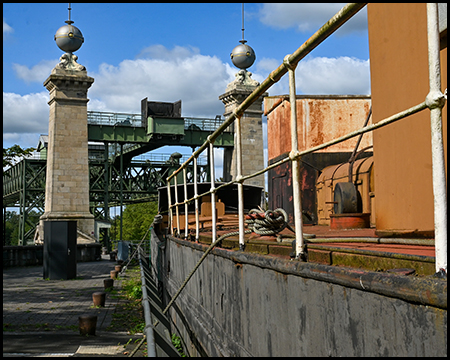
137, 219
11, 228
14, 152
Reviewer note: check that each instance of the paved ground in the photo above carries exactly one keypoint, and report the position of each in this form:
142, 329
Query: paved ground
40, 317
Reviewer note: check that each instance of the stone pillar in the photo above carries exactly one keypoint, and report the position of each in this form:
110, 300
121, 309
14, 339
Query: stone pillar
67, 183
251, 129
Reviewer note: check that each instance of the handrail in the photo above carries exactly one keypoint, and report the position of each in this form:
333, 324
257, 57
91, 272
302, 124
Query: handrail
434, 101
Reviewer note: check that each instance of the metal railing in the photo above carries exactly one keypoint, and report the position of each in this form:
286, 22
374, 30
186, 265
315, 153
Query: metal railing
129, 119
434, 101
111, 119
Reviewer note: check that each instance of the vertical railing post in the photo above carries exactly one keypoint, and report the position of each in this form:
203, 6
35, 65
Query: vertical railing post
213, 192
121, 191
298, 221
177, 212
169, 200
240, 185
435, 101
197, 225
23, 197
186, 224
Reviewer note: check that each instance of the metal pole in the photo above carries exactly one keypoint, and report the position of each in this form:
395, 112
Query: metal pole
22, 204
213, 193
240, 185
197, 222
169, 200
177, 212
435, 101
186, 229
298, 221
151, 347
106, 197
121, 190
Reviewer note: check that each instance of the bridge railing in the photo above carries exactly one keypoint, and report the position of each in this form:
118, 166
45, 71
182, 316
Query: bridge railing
111, 119
129, 119
434, 101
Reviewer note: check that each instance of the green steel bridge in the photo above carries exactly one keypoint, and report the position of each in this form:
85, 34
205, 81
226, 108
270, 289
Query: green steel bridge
122, 168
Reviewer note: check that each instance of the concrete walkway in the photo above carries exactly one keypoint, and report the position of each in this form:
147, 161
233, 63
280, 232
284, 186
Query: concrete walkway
40, 317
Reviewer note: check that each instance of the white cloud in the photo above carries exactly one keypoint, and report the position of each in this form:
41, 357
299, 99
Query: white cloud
160, 52
197, 80
25, 114
333, 76
308, 16
6, 28
322, 76
38, 73
171, 75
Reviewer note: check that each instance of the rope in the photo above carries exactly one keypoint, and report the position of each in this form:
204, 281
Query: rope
272, 223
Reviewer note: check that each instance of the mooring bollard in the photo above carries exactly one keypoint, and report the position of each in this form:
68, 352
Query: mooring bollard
87, 324
118, 268
114, 274
112, 256
99, 298
108, 283
120, 262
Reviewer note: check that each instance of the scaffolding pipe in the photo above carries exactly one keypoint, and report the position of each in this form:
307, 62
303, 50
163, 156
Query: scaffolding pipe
435, 101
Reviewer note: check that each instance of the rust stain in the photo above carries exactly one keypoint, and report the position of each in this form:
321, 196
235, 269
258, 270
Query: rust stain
318, 121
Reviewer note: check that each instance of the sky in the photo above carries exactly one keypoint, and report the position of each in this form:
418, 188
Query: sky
168, 52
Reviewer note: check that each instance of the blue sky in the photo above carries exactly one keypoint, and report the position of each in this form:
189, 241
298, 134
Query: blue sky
168, 52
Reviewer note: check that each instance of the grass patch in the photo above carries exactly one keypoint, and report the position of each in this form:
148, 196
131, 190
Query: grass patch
129, 314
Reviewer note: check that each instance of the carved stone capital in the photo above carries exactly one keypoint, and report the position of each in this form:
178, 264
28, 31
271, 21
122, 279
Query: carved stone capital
68, 62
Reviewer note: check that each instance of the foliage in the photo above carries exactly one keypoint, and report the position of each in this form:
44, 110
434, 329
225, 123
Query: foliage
11, 226
176, 341
137, 219
129, 314
13, 153
133, 286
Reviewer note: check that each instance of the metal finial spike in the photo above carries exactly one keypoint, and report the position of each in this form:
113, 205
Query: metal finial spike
69, 21
243, 41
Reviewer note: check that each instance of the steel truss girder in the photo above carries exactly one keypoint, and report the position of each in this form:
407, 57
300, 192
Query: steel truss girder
24, 187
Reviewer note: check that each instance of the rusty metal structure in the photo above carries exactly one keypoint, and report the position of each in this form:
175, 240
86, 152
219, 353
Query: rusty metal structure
319, 118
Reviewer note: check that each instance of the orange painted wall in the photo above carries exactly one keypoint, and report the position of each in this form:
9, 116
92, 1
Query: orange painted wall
402, 151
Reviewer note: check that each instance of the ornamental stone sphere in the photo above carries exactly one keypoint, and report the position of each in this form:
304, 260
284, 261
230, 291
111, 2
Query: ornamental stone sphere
69, 38
243, 56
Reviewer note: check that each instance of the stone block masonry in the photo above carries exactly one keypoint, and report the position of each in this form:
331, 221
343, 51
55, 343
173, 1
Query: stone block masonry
67, 183
251, 130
